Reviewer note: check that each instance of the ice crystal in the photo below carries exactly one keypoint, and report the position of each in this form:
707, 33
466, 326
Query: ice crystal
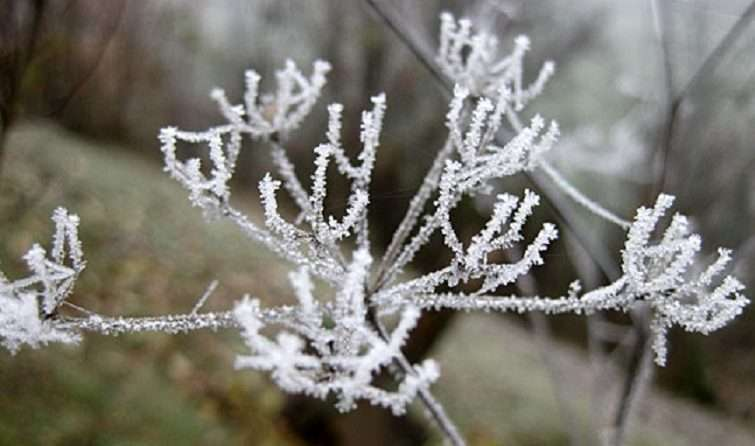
28, 305
471, 59
317, 358
661, 274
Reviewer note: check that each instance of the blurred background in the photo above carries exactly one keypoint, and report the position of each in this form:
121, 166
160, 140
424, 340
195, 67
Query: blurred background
651, 96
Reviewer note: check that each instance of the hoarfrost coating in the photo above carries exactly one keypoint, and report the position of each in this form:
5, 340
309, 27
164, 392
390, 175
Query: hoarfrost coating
339, 345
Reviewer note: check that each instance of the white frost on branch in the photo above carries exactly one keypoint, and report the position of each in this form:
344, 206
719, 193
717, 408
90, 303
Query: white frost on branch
28, 305
659, 273
344, 357
281, 112
318, 359
314, 244
258, 117
474, 162
318, 234
480, 159
502, 231
656, 274
471, 59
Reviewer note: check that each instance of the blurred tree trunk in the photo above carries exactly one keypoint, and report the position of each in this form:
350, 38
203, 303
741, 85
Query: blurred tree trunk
20, 24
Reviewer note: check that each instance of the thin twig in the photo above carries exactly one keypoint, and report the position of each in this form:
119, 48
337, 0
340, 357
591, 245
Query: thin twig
92, 68
287, 172
596, 252
576, 195
711, 62
635, 380
177, 323
420, 52
429, 184
181, 323
202, 300
433, 408
14, 60
565, 186
589, 275
78, 308
542, 333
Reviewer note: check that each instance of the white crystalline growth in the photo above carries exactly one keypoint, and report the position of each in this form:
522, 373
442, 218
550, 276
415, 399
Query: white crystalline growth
660, 273
259, 117
278, 112
28, 305
471, 59
20, 324
318, 358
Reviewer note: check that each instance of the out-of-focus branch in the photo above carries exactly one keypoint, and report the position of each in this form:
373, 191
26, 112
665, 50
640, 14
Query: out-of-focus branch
707, 68
107, 39
541, 330
635, 381
423, 54
20, 25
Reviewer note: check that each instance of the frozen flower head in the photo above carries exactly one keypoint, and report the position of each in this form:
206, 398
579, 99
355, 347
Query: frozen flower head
27, 305
343, 357
660, 274
471, 59
279, 112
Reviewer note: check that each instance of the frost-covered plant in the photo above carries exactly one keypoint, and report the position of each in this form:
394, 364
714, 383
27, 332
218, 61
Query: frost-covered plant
471, 59
334, 341
28, 305
344, 357
656, 273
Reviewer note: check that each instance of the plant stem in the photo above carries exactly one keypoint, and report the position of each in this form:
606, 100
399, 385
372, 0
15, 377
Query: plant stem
675, 101
635, 380
434, 409
429, 184
178, 323
580, 198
